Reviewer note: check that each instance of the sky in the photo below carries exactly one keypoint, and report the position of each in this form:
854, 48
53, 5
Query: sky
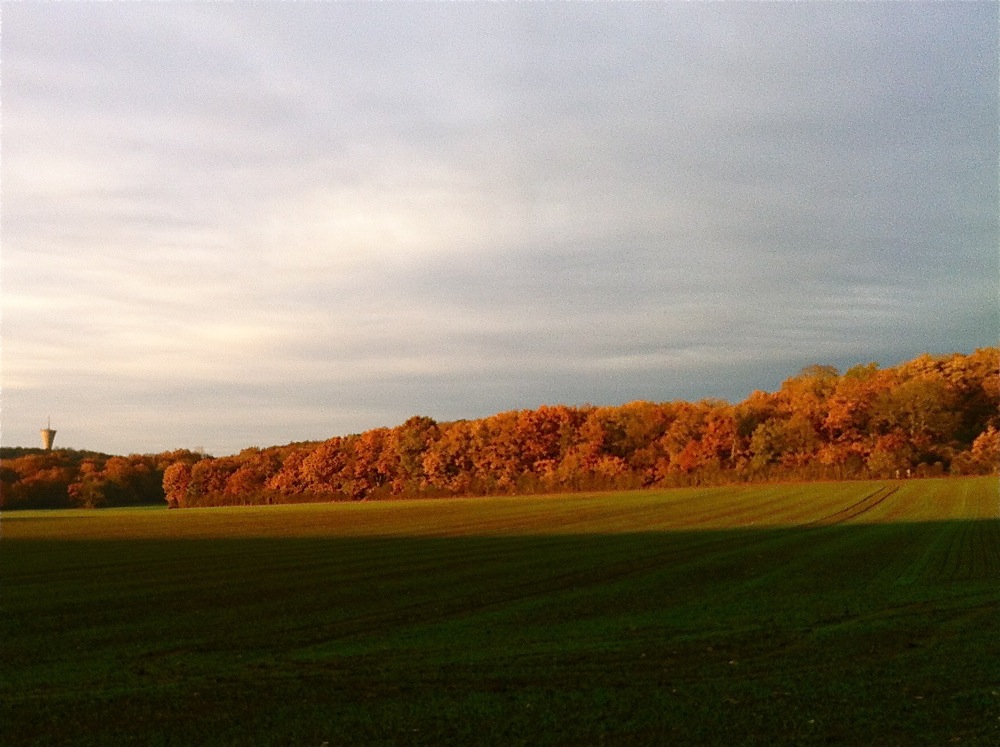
247, 224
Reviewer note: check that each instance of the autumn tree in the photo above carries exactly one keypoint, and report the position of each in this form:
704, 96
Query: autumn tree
926, 416
919, 416
373, 464
322, 469
984, 456
448, 462
208, 480
249, 481
289, 478
408, 443
176, 479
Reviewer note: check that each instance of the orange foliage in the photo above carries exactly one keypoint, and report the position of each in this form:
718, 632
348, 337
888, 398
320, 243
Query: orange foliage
922, 417
931, 415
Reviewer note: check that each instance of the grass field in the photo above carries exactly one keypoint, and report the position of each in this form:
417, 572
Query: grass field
841, 613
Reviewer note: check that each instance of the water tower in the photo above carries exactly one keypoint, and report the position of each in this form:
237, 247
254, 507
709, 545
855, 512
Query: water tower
48, 436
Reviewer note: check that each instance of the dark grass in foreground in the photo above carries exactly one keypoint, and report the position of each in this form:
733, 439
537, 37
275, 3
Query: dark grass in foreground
523, 621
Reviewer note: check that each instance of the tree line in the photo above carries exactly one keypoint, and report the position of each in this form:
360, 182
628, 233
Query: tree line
934, 415
930, 416
69, 478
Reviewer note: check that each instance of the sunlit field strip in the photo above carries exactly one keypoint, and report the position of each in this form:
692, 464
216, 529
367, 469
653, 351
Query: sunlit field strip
936, 500
632, 511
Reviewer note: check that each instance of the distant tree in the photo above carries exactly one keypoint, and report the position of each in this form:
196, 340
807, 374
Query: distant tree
984, 456
91, 486
372, 469
249, 482
820, 372
290, 479
323, 468
922, 409
409, 441
208, 480
176, 479
448, 462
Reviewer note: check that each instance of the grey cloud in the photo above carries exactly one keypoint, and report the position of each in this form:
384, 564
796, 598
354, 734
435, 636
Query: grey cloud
339, 215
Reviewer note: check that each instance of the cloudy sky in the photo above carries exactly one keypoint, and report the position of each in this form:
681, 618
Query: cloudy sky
227, 225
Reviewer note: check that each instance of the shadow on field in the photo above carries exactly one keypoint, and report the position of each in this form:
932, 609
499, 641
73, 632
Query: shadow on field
825, 634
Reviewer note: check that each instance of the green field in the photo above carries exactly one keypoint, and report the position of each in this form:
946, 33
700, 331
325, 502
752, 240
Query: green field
842, 613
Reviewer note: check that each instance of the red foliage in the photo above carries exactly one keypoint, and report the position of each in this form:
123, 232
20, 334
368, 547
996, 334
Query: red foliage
931, 415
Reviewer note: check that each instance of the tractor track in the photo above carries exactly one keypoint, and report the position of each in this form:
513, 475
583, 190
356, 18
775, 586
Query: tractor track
856, 509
